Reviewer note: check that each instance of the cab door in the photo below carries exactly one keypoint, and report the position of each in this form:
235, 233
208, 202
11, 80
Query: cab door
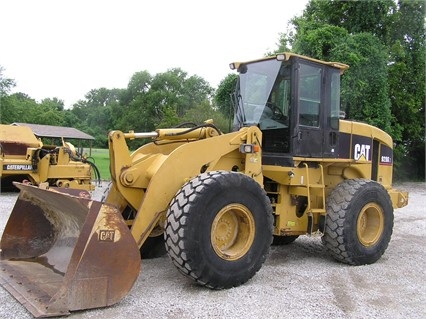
308, 130
331, 113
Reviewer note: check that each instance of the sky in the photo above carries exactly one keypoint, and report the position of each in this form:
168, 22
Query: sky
66, 48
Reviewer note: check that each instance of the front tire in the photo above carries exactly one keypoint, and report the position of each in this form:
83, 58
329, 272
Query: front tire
219, 229
359, 222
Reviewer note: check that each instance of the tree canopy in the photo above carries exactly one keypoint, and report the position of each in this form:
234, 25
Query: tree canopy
149, 102
383, 42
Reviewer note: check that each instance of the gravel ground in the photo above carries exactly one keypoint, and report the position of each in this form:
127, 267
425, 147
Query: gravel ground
297, 281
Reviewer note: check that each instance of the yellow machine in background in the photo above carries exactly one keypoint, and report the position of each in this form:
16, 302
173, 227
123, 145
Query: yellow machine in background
218, 201
24, 157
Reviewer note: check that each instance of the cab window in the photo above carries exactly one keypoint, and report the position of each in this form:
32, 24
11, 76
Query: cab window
309, 95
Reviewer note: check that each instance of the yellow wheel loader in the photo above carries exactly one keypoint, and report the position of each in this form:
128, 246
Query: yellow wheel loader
291, 167
24, 157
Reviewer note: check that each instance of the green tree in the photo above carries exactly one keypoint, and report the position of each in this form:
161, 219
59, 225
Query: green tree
49, 112
407, 86
161, 100
224, 92
383, 41
6, 84
18, 107
203, 112
94, 114
133, 110
375, 17
70, 119
53, 103
6, 102
176, 90
365, 88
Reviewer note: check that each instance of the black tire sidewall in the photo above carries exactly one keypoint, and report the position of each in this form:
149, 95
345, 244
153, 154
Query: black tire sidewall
371, 193
344, 206
219, 192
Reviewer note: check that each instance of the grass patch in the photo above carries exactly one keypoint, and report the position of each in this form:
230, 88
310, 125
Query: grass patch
101, 159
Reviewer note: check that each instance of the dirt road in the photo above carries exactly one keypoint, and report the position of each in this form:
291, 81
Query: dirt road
297, 281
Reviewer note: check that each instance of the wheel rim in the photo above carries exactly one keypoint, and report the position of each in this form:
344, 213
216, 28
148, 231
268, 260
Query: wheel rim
370, 224
233, 232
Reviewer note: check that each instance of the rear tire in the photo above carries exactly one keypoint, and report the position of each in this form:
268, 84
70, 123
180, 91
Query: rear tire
359, 222
219, 229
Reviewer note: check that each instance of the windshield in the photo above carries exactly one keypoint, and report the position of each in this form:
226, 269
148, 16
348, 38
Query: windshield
263, 95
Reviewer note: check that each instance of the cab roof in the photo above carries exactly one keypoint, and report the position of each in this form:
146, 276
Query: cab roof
287, 56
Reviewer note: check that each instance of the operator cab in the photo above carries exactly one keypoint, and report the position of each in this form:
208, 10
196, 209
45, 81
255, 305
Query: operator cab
295, 101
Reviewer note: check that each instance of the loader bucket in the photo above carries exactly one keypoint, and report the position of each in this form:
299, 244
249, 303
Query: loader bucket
61, 253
